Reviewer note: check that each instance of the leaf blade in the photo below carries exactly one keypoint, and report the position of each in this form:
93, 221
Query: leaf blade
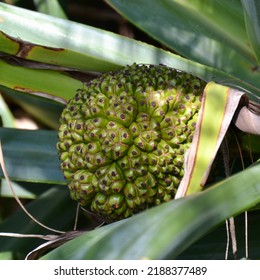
36, 154
252, 21
50, 7
185, 31
199, 213
95, 49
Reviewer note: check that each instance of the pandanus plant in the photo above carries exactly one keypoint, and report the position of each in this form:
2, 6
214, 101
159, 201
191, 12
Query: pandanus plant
148, 142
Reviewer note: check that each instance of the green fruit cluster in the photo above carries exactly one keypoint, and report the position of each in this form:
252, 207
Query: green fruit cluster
123, 137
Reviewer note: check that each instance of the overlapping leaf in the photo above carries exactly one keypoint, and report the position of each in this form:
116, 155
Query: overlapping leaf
31, 155
86, 48
252, 20
174, 225
210, 32
52, 41
58, 213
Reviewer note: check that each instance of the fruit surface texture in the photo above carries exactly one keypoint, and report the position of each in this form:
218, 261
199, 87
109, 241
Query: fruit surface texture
123, 138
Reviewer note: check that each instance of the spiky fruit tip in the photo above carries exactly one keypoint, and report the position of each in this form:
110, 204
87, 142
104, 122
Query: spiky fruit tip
122, 138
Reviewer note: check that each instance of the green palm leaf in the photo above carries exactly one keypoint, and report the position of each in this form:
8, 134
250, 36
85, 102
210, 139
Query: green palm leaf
42, 61
174, 225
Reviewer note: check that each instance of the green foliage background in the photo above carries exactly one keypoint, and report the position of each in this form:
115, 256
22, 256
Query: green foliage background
216, 40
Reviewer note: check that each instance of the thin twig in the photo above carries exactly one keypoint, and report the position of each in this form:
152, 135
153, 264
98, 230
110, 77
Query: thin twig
230, 224
228, 240
20, 235
246, 235
61, 239
232, 229
246, 214
76, 217
240, 152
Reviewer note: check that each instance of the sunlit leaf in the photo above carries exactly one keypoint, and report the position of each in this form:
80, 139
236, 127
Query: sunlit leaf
37, 54
182, 26
89, 48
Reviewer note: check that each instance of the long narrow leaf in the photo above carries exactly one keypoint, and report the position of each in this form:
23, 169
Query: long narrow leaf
58, 213
192, 35
50, 7
167, 230
40, 82
34, 153
44, 110
89, 48
213, 245
252, 20
226, 21
195, 27
85, 41
220, 102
